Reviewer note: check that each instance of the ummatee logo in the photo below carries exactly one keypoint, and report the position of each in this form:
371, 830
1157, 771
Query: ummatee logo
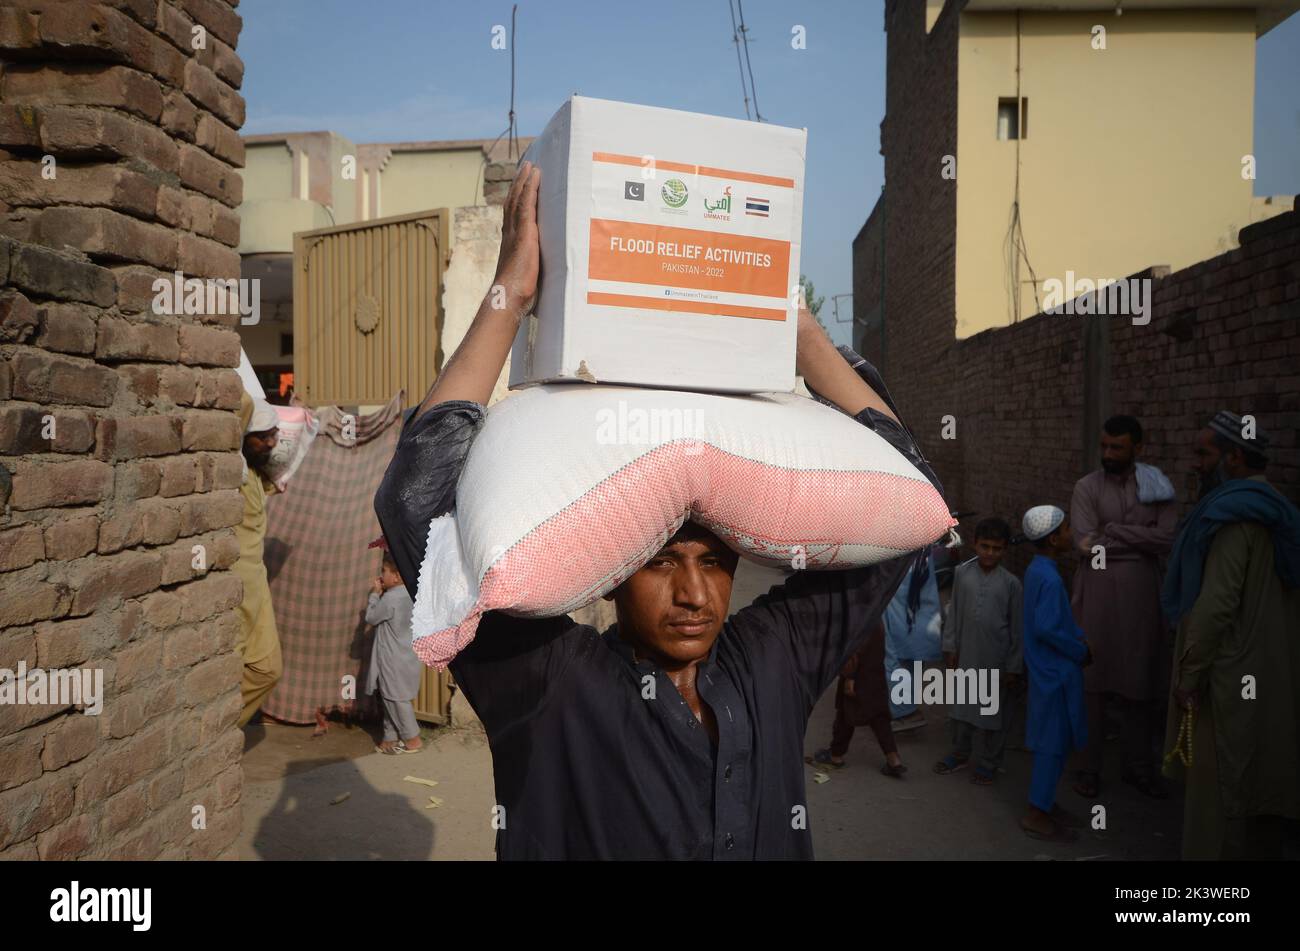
719, 209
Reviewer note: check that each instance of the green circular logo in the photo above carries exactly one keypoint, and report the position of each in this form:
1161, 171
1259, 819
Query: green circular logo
674, 193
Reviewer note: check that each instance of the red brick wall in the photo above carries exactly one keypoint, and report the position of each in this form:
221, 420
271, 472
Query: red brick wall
99, 524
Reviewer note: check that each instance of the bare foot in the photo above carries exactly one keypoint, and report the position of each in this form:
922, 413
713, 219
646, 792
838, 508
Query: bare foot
414, 743
322, 724
893, 759
388, 746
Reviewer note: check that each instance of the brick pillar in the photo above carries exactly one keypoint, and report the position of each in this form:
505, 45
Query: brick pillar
119, 444
496, 181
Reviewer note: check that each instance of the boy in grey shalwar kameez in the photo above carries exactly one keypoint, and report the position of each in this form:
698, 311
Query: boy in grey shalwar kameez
982, 633
394, 671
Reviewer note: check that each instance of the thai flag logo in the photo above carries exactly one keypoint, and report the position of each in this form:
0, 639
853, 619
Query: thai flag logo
757, 206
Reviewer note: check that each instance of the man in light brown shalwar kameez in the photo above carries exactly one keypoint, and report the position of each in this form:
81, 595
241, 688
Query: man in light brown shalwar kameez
1118, 605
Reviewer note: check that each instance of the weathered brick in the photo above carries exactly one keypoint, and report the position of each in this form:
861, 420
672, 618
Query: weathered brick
68, 840
74, 739
21, 183
179, 475
67, 328
220, 20
21, 546
97, 580
211, 679
20, 126
60, 275
211, 429
108, 234
69, 538
19, 29
49, 485
20, 757
165, 788
140, 662
84, 85
18, 645
46, 378
185, 646
219, 756
180, 116
209, 346
172, 208
90, 28
147, 522
32, 808
202, 172
131, 340
225, 226
127, 808
221, 140
217, 388
222, 60
18, 319
121, 764
179, 384
69, 643
137, 480
201, 257
211, 595
137, 288
220, 717
129, 437
125, 717
81, 132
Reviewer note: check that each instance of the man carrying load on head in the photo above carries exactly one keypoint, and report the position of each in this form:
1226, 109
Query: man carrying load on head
586, 766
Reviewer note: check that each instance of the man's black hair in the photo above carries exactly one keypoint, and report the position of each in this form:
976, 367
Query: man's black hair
1252, 458
994, 529
1124, 425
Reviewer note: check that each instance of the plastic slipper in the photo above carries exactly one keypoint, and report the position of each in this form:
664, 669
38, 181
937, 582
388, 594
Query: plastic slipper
895, 772
393, 752
982, 776
403, 748
950, 764
823, 758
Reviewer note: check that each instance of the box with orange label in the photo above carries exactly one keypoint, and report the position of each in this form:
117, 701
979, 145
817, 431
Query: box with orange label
670, 250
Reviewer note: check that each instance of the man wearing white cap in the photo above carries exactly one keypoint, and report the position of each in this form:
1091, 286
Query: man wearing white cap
1055, 652
259, 642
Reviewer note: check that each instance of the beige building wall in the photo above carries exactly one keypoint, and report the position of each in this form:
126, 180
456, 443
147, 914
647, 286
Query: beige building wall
1131, 156
418, 180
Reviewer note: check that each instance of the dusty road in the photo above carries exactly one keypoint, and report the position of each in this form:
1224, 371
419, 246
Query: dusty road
334, 798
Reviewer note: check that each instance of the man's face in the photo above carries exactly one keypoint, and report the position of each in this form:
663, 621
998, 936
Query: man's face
258, 446
1117, 453
672, 609
1208, 456
989, 551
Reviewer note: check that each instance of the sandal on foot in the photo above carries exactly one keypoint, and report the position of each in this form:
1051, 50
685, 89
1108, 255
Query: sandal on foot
1088, 784
982, 776
1147, 785
389, 752
1067, 819
950, 764
1059, 834
894, 771
823, 758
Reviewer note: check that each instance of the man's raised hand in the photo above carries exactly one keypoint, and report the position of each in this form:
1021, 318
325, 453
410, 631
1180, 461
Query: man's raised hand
515, 285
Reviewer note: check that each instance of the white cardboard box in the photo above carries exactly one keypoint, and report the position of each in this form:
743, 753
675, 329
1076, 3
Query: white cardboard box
670, 250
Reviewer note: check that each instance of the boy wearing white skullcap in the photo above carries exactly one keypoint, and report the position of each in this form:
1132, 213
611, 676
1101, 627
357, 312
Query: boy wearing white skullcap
1055, 652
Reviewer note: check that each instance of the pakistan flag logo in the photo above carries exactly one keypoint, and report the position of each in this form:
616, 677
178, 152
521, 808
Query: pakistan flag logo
674, 193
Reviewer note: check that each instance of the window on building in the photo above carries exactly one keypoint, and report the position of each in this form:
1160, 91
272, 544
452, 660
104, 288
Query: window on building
1012, 118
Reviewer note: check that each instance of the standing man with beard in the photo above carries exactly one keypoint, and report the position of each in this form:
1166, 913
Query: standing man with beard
1116, 600
259, 642
1233, 585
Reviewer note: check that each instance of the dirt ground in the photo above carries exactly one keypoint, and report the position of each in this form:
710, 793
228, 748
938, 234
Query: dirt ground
333, 797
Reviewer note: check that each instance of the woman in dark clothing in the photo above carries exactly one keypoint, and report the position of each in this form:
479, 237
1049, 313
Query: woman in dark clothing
862, 699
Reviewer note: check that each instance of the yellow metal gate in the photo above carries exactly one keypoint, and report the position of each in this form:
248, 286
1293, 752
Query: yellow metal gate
367, 322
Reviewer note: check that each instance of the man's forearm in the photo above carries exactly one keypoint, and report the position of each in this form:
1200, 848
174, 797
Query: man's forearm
826, 372
472, 371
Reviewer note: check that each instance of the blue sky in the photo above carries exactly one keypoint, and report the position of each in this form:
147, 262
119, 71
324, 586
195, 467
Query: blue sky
394, 70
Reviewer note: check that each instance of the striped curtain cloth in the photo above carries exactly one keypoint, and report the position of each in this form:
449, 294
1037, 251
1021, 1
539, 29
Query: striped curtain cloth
318, 564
